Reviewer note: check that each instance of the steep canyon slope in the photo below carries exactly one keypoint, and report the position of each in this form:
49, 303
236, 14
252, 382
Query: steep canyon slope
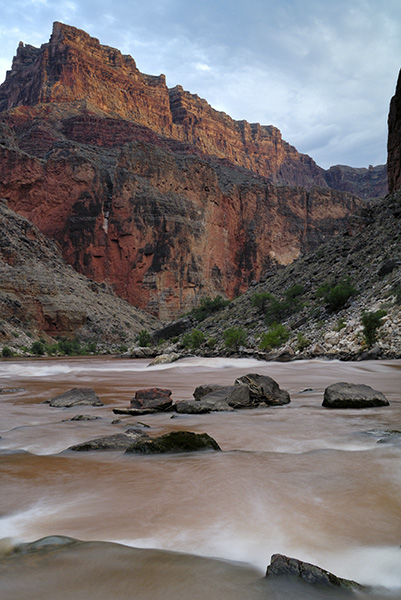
149, 188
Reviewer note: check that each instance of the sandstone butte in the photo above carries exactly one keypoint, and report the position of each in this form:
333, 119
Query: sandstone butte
149, 188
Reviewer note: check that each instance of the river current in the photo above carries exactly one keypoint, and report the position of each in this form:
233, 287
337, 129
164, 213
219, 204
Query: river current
300, 480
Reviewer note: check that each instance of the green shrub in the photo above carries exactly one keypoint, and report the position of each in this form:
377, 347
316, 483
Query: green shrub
340, 324
371, 322
211, 342
302, 342
234, 337
209, 306
396, 291
38, 348
6, 352
294, 291
261, 299
277, 335
70, 347
92, 347
144, 338
193, 339
336, 296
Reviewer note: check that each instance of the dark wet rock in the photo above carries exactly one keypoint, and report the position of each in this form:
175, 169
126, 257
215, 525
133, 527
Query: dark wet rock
45, 544
263, 388
207, 388
194, 407
118, 441
281, 565
174, 442
75, 397
134, 412
391, 436
235, 396
84, 418
351, 395
155, 398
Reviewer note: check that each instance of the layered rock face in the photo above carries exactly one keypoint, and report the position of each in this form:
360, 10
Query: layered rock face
394, 140
150, 189
41, 293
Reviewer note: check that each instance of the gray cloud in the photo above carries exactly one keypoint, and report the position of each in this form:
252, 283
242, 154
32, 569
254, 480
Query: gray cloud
323, 73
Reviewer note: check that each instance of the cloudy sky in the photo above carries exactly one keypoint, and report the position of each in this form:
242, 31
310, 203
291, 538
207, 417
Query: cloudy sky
322, 71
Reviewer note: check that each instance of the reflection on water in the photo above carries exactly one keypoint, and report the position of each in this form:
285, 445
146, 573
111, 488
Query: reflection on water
300, 480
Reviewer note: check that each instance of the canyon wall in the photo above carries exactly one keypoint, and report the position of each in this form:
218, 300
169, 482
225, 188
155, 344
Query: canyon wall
148, 188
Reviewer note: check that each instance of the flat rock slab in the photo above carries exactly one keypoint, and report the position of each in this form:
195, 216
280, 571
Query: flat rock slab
74, 397
134, 412
173, 443
281, 565
263, 388
118, 441
352, 395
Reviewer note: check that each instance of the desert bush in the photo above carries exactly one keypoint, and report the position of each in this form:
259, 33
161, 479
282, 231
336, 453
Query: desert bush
336, 296
144, 338
6, 352
193, 339
302, 341
209, 306
277, 335
261, 299
371, 322
38, 348
234, 337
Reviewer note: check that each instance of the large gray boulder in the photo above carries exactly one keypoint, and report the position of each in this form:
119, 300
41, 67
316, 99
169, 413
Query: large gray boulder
263, 389
281, 565
352, 395
220, 399
74, 397
174, 442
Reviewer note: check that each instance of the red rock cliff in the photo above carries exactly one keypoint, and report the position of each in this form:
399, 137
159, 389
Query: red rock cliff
149, 188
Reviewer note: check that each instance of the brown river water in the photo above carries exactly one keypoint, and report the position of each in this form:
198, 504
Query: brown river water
300, 480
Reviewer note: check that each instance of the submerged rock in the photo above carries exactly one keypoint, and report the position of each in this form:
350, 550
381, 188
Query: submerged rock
263, 388
351, 395
118, 441
281, 565
174, 442
74, 397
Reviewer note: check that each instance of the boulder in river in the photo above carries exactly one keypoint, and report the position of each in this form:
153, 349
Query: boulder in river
352, 395
155, 398
164, 359
281, 565
118, 441
174, 442
263, 388
74, 397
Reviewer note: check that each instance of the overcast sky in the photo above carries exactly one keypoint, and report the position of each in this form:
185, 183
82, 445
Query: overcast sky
322, 71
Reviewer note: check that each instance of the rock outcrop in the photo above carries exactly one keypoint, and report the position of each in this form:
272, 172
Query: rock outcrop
394, 140
42, 295
150, 189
